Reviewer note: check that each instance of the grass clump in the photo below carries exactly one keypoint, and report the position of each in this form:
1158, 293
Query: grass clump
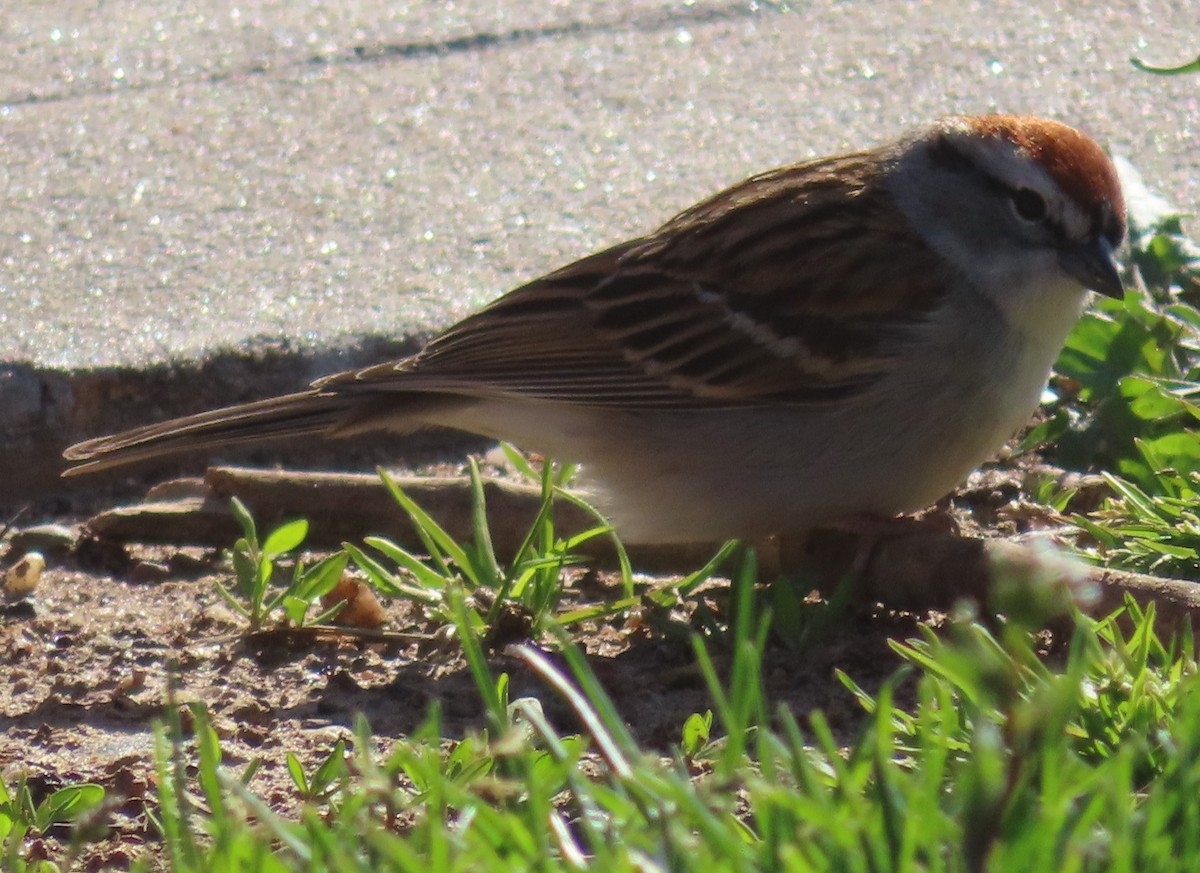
24, 822
531, 582
980, 754
257, 564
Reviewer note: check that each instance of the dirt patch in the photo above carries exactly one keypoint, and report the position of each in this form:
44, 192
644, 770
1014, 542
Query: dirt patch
87, 666
89, 661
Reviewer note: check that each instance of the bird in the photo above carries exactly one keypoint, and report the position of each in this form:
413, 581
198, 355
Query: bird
848, 336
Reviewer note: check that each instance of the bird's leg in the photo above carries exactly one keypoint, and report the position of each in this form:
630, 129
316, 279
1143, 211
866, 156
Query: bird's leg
843, 550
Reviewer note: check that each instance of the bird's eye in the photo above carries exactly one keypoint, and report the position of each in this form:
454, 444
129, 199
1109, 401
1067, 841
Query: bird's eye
1029, 205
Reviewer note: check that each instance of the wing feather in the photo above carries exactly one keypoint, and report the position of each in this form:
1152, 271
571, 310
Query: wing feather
772, 292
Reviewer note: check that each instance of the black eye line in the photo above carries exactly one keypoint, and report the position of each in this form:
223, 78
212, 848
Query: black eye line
944, 153
1058, 233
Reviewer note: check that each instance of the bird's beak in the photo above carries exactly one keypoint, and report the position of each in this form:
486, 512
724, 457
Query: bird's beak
1094, 266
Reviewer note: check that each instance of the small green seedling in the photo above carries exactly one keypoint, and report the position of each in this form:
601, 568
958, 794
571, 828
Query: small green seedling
21, 817
254, 567
326, 780
532, 580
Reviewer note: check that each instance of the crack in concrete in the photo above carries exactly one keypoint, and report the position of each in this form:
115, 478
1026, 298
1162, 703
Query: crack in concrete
383, 52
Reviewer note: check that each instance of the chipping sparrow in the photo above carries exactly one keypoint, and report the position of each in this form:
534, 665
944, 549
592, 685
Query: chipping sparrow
846, 336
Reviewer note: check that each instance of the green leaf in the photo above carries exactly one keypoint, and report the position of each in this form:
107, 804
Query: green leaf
251, 768
1178, 451
297, 773
387, 582
696, 732
67, 804
229, 597
694, 580
321, 578
1148, 400
295, 608
519, 462
262, 578
209, 747
285, 538
332, 769
325, 616
1182, 552
1103, 535
245, 567
466, 622
1048, 431
245, 521
488, 567
435, 537
1187, 67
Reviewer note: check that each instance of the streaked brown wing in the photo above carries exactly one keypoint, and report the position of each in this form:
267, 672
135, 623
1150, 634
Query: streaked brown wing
772, 292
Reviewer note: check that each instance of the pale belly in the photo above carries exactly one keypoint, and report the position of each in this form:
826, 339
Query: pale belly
710, 475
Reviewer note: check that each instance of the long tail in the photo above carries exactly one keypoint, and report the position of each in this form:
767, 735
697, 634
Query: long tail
306, 413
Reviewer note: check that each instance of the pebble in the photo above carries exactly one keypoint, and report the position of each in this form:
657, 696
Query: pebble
23, 576
45, 538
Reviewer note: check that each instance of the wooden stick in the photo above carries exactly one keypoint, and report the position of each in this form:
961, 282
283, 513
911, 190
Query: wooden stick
344, 507
921, 571
912, 570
